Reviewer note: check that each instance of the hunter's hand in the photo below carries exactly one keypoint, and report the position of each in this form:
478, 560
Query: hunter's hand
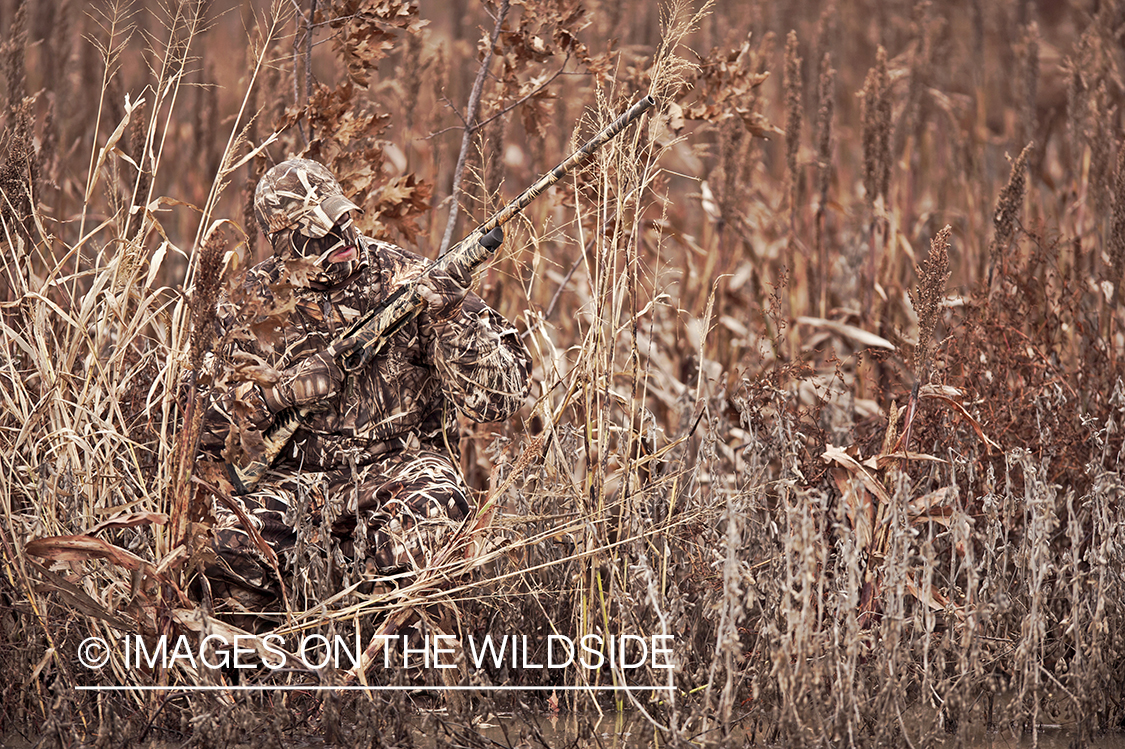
309, 381
443, 292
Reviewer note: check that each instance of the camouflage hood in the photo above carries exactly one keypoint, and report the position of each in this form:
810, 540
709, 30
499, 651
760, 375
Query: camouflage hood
297, 201
302, 195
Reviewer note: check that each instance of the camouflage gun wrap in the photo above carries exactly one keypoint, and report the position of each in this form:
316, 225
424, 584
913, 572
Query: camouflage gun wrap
367, 335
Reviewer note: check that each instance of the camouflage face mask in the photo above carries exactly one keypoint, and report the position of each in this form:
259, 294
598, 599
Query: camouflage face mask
335, 253
339, 239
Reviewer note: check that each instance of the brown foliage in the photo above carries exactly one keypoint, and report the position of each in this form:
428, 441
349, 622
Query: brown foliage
876, 97
1006, 217
891, 517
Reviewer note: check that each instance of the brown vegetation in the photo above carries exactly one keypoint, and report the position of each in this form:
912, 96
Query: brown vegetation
874, 492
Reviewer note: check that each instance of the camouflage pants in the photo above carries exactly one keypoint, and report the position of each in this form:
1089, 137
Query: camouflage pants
389, 516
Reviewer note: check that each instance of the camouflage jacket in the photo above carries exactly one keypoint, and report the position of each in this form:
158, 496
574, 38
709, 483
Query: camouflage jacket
404, 398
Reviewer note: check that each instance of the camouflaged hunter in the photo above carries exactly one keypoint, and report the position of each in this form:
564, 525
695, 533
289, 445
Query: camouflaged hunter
374, 462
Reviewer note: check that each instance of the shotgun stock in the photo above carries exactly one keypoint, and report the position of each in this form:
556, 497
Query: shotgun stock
367, 335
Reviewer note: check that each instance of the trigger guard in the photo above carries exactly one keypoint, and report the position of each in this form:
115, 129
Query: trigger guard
356, 360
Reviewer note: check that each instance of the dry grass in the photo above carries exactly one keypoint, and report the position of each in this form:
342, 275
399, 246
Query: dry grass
875, 494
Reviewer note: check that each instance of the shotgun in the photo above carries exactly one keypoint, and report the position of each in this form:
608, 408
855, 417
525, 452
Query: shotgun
368, 334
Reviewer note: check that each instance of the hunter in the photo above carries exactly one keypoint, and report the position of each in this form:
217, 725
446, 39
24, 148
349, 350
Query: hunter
376, 465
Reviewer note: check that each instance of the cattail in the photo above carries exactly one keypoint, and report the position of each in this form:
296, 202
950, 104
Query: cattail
185, 504
1007, 211
138, 144
493, 138
18, 165
254, 171
208, 278
977, 14
81, 90
1029, 65
1075, 108
440, 78
826, 95
730, 182
925, 28
1082, 69
18, 172
411, 75
61, 42
1116, 241
12, 58
48, 150
876, 130
114, 100
1099, 135
883, 112
792, 120
208, 144
933, 274
876, 101
870, 138
826, 30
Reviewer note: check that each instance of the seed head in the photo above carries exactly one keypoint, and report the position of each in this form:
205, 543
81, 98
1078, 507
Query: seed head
876, 130
932, 276
1007, 210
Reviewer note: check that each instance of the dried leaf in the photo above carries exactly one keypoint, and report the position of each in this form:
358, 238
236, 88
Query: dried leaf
155, 263
675, 117
936, 506
833, 454
858, 505
111, 143
400, 203
882, 460
130, 520
77, 598
367, 31
83, 548
859, 335
989, 444
935, 600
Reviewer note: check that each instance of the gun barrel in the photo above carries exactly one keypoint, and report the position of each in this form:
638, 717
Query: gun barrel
576, 159
471, 251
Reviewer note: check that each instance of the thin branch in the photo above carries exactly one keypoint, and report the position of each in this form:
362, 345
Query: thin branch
521, 100
449, 103
308, 51
467, 138
296, 56
538, 89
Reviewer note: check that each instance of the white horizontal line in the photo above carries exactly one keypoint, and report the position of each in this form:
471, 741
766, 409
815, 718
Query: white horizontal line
358, 687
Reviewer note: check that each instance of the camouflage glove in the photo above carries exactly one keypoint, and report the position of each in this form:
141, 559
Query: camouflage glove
306, 383
443, 292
